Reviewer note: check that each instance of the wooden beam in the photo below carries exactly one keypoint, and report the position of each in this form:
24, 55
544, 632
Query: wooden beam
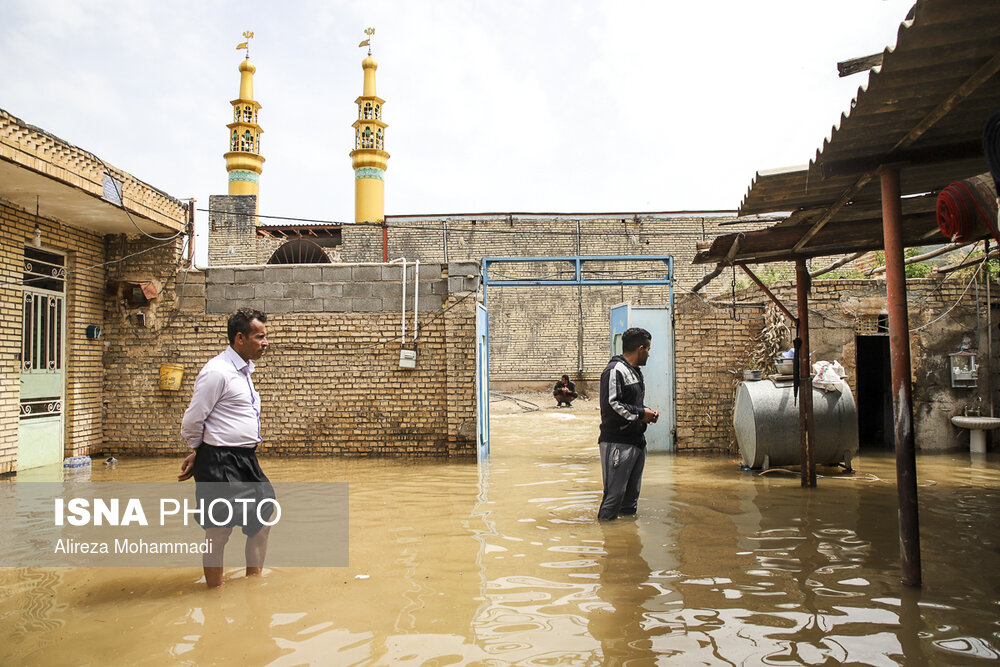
862, 64
733, 249
929, 155
769, 294
836, 265
981, 76
969, 262
842, 201
927, 255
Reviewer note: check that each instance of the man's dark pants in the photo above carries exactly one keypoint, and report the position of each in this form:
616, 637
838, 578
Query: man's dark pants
621, 469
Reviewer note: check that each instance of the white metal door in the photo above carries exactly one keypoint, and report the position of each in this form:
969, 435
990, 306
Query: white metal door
43, 359
658, 372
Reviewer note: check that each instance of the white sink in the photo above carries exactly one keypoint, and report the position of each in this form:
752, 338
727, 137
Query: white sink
977, 430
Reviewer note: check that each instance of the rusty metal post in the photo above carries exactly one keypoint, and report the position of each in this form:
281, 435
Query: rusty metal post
902, 388
807, 440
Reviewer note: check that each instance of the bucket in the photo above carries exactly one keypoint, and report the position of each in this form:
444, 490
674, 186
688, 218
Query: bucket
170, 376
784, 365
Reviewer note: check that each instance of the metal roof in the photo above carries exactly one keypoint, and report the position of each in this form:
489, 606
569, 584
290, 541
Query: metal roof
299, 231
922, 111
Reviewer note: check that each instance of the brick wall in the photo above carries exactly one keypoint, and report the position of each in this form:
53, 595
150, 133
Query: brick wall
84, 306
16, 229
470, 238
844, 306
711, 351
330, 382
232, 227
535, 333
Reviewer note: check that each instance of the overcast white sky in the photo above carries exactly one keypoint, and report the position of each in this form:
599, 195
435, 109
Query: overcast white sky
515, 105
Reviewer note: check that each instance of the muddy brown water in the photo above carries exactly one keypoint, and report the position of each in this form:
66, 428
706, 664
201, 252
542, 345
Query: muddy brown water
454, 563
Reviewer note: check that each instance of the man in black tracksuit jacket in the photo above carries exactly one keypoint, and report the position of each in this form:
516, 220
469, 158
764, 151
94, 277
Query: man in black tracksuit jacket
623, 425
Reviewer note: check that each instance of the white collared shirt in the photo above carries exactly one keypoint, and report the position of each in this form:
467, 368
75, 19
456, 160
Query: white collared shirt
225, 407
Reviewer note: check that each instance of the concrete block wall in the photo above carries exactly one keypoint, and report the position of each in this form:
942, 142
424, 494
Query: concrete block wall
84, 306
319, 288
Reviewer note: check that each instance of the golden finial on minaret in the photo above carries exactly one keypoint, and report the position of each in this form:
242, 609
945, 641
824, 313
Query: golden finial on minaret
368, 42
369, 157
247, 35
243, 160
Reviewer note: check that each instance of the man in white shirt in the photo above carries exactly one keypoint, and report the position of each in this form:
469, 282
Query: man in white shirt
222, 426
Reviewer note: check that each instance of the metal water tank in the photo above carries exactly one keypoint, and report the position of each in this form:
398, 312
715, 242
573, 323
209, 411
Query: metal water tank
766, 420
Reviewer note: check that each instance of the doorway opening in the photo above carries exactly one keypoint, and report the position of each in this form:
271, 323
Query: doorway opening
875, 422
538, 323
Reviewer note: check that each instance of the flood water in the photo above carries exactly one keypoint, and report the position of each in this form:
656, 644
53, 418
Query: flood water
454, 563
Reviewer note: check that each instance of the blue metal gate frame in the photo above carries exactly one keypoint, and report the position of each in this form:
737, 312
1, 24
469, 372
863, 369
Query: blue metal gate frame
579, 279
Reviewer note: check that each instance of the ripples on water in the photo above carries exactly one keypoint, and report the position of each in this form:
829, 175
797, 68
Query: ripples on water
453, 563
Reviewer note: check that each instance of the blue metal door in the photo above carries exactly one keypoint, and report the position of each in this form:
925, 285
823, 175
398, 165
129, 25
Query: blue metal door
482, 381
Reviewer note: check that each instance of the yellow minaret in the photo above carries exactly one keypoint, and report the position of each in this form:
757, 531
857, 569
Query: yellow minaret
244, 161
369, 157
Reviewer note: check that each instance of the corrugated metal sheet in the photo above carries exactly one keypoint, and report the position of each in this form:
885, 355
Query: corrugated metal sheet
923, 110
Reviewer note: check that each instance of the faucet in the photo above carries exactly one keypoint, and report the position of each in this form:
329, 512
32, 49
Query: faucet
976, 411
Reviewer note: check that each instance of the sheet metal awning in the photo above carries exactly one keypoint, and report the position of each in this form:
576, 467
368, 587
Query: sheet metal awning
921, 112
299, 231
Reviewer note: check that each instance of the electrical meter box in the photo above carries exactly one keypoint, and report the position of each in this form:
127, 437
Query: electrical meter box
407, 358
964, 369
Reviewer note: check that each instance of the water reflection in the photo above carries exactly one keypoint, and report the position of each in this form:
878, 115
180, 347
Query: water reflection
454, 563
620, 623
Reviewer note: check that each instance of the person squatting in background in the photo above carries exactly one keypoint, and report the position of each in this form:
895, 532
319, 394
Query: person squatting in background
564, 392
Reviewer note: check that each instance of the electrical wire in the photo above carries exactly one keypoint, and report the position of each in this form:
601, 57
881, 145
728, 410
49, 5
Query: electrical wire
955, 305
86, 268
941, 284
517, 401
454, 230
121, 200
424, 323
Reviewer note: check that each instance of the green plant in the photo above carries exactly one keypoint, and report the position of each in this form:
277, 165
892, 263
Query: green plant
846, 272
992, 268
916, 269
